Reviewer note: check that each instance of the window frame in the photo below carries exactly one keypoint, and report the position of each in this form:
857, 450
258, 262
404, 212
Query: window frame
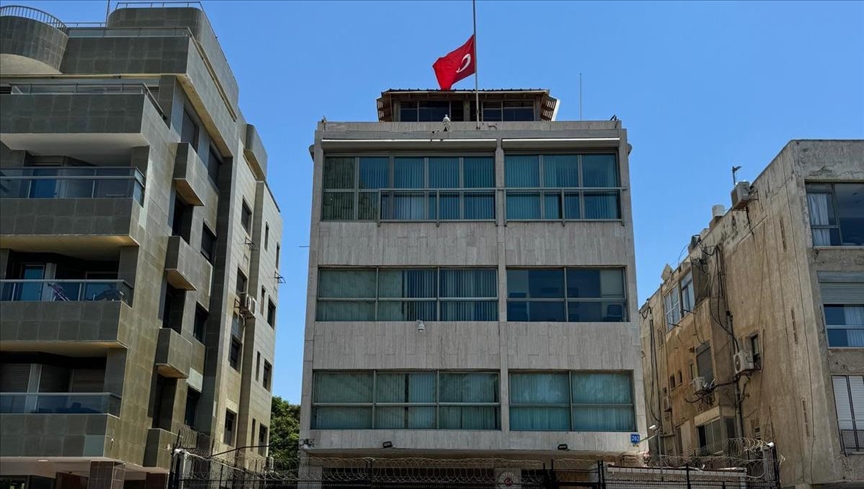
542, 191
811, 188
208, 254
438, 404
570, 404
689, 296
624, 300
428, 193
672, 308
857, 424
233, 430
271, 313
246, 217
199, 329
267, 375
377, 300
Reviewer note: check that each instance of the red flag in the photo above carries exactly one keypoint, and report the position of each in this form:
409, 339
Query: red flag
457, 65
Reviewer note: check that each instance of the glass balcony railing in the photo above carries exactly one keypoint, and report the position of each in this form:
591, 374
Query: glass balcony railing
59, 403
72, 183
65, 290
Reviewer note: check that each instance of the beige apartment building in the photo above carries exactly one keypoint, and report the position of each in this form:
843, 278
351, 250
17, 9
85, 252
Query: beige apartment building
139, 248
472, 288
759, 332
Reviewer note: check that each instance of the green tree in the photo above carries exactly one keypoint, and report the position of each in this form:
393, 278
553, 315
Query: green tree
284, 434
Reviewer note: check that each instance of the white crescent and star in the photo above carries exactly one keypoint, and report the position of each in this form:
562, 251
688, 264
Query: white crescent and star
466, 61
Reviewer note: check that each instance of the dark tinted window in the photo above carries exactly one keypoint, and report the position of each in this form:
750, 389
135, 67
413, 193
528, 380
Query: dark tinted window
208, 244
201, 317
192, 398
213, 163
246, 218
189, 131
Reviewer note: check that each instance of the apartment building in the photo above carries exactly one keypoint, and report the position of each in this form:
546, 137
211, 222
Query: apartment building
759, 332
471, 286
139, 248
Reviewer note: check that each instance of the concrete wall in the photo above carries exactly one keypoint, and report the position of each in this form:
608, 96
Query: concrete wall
30, 46
772, 290
496, 345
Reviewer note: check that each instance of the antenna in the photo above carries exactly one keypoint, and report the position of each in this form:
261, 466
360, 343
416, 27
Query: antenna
580, 95
734, 177
107, 11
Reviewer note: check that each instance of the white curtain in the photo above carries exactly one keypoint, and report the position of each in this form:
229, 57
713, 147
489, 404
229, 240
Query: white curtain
854, 316
818, 204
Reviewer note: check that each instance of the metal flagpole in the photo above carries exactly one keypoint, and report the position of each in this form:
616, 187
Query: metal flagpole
476, 82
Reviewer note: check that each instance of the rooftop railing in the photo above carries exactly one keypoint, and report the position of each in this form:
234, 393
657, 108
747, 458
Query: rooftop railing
72, 183
52, 290
59, 403
33, 14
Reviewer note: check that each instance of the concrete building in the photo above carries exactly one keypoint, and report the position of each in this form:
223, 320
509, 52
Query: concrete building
137, 231
472, 287
759, 332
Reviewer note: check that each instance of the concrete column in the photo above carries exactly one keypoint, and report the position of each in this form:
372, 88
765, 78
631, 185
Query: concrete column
310, 475
502, 288
106, 475
115, 371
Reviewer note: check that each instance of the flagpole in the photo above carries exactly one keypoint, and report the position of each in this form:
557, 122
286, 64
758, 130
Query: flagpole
476, 82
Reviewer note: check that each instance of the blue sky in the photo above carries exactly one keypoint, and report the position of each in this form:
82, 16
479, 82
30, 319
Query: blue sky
700, 86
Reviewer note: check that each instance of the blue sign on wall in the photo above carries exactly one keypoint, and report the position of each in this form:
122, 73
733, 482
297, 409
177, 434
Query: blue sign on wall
634, 438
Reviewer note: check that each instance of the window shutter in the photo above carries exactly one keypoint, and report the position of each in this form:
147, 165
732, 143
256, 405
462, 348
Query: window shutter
14, 377
856, 385
842, 293
841, 399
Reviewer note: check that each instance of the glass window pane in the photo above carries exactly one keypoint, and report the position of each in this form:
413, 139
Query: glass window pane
539, 419
522, 171
560, 171
367, 209
341, 418
346, 283
404, 206
345, 310
479, 205
408, 173
850, 213
523, 206
342, 387
469, 310
607, 418
339, 173
407, 283
546, 311
545, 284
443, 172
601, 388
583, 283
407, 311
572, 206
539, 388
604, 205
469, 283
479, 172
416, 418
517, 311
469, 387
405, 387
599, 171
433, 110
374, 172
338, 206
468, 418
584, 312
552, 206
448, 205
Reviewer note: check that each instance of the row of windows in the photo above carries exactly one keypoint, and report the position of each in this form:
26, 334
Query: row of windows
230, 430
539, 401
418, 188
436, 110
454, 294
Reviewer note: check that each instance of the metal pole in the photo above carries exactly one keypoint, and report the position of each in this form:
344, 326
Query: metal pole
476, 80
107, 11
687, 473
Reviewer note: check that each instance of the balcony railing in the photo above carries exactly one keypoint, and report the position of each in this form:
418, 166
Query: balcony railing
563, 204
86, 88
59, 403
852, 435
431, 204
72, 183
32, 14
65, 291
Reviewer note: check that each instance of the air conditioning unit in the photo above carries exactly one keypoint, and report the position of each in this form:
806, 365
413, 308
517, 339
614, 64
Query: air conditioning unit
741, 195
248, 305
743, 361
699, 384
667, 403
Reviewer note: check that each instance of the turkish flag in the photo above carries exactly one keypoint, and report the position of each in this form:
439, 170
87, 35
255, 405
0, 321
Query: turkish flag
456, 65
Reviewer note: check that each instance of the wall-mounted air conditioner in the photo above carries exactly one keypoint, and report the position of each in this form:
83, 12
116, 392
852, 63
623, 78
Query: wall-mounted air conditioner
699, 384
743, 362
741, 195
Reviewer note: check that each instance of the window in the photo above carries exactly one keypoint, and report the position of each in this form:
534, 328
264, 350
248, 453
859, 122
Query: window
172, 312
189, 131
688, 300
263, 298
407, 295
672, 307
562, 187
566, 295
236, 347
208, 244
266, 236
201, 316
258, 366
400, 400
431, 111
755, 350
228, 436
843, 304
713, 435
253, 432
836, 213
214, 161
571, 401
403, 188
271, 314
268, 370
192, 398
704, 362
692, 371
680, 378
246, 217
278, 250
241, 282
181, 223
672, 382
262, 440
849, 399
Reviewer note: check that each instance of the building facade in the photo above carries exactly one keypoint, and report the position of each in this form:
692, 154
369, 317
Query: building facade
139, 248
471, 286
759, 332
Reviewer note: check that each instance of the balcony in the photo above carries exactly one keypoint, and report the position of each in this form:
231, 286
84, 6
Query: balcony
33, 41
65, 291
72, 183
157, 451
185, 267
172, 354
59, 403
190, 177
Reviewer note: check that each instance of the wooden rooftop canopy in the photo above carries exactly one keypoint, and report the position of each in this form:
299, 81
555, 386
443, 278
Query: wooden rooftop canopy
548, 104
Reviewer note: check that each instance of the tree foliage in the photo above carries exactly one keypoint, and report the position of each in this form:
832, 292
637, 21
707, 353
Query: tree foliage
284, 433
